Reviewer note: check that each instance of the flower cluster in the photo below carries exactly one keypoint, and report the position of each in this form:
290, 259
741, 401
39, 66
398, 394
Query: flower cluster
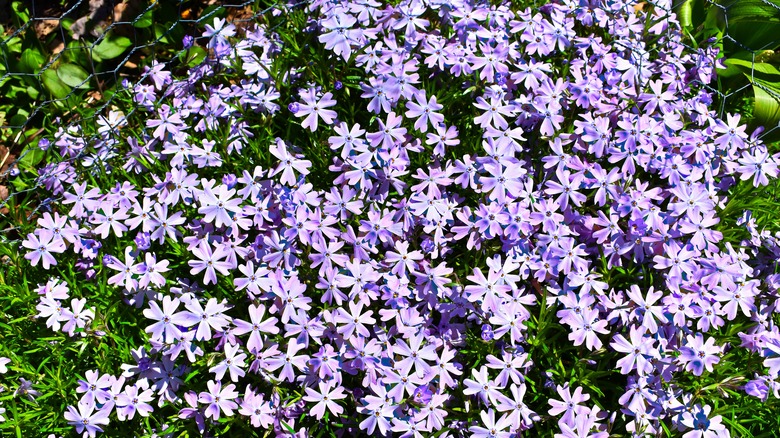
586, 146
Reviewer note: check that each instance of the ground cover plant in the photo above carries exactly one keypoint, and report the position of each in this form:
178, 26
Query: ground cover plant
416, 218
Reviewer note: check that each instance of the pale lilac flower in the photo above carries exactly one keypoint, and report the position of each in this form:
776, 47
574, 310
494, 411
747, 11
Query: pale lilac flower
288, 163
41, 248
483, 386
210, 261
492, 428
86, 419
314, 108
258, 325
570, 406
325, 399
218, 399
207, 318
132, 400
697, 355
424, 111
234, 362
165, 329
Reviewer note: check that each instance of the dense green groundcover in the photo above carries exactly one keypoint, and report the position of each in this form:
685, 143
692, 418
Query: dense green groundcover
363, 231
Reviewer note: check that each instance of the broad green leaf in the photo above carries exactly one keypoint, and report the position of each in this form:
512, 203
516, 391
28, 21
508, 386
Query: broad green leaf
692, 14
31, 156
31, 61
33, 92
161, 33
21, 11
19, 119
111, 47
14, 44
52, 82
763, 70
753, 35
66, 23
766, 109
193, 56
144, 20
685, 14
73, 75
753, 10
77, 54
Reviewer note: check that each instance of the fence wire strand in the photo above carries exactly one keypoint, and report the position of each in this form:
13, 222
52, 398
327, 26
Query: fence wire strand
19, 132
17, 136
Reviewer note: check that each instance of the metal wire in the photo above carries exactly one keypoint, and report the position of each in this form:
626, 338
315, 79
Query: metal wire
20, 137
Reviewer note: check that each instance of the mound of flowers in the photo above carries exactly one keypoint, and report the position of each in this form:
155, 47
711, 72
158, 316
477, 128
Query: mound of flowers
435, 217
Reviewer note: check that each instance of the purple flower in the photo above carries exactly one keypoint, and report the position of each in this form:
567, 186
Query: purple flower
210, 261
492, 428
325, 399
207, 318
86, 419
314, 108
42, 246
133, 400
697, 355
218, 399
424, 111
483, 386
257, 326
143, 241
702, 425
166, 328
233, 363
569, 405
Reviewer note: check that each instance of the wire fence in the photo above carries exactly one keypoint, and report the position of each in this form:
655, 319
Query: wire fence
84, 26
90, 24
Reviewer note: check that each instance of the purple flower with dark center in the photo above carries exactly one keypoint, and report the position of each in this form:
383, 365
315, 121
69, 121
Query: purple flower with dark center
86, 419
569, 405
218, 399
314, 108
697, 355
325, 399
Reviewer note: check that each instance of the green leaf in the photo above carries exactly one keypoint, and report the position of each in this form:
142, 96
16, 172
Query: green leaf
31, 156
684, 13
77, 53
33, 92
31, 61
21, 11
14, 44
753, 10
52, 82
144, 20
734, 64
753, 35
766, 109
763, 70
111, 47
161, 33
193, 56
73, 75
66, 23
